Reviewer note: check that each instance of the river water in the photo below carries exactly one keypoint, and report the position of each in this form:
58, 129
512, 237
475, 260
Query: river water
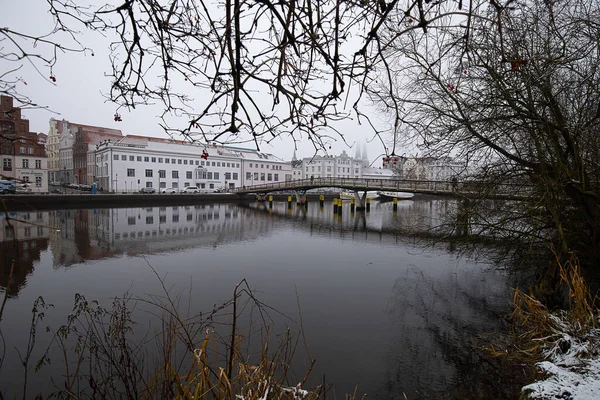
380, 310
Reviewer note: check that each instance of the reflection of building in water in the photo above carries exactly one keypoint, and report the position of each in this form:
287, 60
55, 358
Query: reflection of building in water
22, 238
98, 234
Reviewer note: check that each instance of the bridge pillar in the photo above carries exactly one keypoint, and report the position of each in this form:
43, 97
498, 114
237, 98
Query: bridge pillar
395, 204
270, 201
289, 202
352, 204
261, 197
321, 200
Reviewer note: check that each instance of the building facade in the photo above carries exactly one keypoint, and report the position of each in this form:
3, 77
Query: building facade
23, 157
133, 162
425, 168
342, 166
69, 145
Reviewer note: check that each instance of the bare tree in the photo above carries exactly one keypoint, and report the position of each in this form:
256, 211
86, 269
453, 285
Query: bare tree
514, 83
244, 70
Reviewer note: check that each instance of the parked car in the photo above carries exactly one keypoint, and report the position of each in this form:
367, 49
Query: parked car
169, 190
22, 188
147, 190
7, 187
191, 189
87, 188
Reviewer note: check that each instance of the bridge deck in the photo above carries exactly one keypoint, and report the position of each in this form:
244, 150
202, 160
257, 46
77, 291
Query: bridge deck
473, 189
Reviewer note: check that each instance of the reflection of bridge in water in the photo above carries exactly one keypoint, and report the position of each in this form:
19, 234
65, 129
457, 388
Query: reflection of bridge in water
467, 189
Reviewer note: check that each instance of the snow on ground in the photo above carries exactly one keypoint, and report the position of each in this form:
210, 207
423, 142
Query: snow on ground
572, 368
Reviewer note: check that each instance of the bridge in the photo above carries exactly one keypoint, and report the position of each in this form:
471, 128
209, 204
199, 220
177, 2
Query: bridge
463, 189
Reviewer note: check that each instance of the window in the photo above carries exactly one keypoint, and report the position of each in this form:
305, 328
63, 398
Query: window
38, 181
175, 174
123, 158
201, 162
7, 164
211, 186
216, 175
228, 165
218, 164
30, 150
248, 175
175, 218
237, 165
139, 158
262, 165
130, 172
276, 177
131, 221
116, 157
269, 177
172, 161
185, 162
213, 164
256, 176
162, 185
146, 159
179, 161
25, 163
149, 220
262, 176
148, 173
227, 176
188, 174
197, 162
209, 175
187, 184
131, 158
250, 165
167, 160
153, 159
160, 160
235, 176
162, 173
267, 166
174, 185
148, 184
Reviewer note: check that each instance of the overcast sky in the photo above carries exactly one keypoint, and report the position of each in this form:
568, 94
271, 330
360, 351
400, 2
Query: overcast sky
77, 95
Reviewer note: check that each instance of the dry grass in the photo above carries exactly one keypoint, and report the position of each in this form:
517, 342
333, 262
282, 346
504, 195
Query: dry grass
542, 334
105, 353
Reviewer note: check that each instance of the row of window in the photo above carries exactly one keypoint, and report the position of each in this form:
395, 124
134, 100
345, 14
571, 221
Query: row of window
188, 174
255, 176
166, 232
7, 164
160, 160
279, 167
343, 169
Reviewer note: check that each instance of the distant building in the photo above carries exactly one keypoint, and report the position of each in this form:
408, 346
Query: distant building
425, 168
342, 166
69, 146
23, 157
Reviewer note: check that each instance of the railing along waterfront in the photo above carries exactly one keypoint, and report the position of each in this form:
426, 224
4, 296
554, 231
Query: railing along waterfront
458, 188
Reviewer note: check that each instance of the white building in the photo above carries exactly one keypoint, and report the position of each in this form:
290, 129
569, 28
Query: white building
133, 162
342, 166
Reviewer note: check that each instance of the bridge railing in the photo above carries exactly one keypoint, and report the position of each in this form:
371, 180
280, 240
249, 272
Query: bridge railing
418, 186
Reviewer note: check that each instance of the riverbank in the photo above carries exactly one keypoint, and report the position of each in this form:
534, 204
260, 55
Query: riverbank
112, 200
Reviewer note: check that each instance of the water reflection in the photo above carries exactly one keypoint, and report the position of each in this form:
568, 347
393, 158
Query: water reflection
23, 236
393, 317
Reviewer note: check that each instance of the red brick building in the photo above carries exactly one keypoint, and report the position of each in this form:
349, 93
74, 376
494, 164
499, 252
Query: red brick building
23, 156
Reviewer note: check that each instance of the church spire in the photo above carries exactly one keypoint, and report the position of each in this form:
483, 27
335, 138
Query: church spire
357, 156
